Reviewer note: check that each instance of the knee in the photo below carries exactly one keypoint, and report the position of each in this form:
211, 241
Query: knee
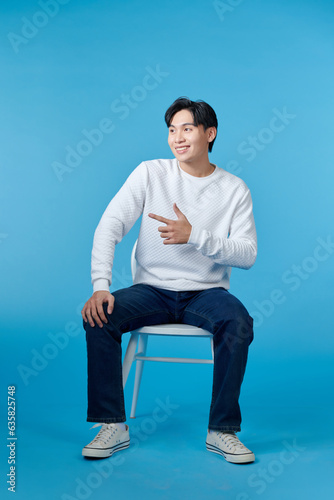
91, 330
96, 328
237, 326
237, 315
244, 327
96, 335
109, 317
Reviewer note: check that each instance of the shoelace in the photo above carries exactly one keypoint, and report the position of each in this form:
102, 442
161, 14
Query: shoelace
231, 441
105, 433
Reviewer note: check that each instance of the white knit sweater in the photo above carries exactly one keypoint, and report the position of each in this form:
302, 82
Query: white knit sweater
219, 208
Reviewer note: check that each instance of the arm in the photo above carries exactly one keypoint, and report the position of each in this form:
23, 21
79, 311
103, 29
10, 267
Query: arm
239, 249
119, 217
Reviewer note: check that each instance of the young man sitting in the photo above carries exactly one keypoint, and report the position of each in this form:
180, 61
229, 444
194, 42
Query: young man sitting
197, 223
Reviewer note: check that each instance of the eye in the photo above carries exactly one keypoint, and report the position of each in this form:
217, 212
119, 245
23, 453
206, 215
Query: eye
188, 129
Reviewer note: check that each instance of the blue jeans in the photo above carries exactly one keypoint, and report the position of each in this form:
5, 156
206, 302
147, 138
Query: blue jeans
214, 309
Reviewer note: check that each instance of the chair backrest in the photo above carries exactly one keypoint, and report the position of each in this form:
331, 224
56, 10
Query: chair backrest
133, 261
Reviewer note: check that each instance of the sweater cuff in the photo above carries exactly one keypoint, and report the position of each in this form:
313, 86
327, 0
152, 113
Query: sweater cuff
100, 284
194, 237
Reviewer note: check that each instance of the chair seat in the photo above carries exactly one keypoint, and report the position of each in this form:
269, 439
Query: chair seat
176, 329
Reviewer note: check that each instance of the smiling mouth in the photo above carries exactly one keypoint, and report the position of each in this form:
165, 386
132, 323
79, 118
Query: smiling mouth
181, 149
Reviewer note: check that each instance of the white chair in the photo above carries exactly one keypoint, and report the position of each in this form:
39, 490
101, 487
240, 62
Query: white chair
140, 337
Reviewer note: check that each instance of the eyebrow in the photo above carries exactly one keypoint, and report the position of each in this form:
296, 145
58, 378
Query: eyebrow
181, 125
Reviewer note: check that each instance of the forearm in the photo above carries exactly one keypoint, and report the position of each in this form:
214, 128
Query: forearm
233, 252
237, 246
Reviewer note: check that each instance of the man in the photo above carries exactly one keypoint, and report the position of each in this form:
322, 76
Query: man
197, 223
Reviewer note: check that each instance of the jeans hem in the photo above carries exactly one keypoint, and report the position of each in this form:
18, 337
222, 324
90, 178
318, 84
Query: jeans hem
225, 428
106, 420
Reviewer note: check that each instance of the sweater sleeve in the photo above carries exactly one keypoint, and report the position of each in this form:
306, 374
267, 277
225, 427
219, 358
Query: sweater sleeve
239, 249
117, 220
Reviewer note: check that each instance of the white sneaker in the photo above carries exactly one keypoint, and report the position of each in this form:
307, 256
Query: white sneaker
229, 446
108, 440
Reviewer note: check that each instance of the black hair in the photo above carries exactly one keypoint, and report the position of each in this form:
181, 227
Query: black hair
202, 112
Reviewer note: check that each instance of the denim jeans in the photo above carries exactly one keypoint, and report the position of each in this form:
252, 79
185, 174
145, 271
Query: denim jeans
213, 309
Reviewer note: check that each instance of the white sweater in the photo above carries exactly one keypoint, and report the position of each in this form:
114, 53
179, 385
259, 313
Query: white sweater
219, 208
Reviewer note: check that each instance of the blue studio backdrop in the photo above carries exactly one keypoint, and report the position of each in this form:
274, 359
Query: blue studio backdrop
84, 89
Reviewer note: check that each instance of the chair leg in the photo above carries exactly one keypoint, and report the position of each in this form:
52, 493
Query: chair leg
129, 355
142, 346
211, 341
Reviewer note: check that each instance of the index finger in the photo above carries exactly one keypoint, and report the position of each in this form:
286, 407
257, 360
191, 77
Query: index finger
159, 218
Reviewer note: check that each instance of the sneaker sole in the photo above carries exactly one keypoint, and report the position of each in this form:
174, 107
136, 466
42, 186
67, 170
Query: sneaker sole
104, 453
229, 457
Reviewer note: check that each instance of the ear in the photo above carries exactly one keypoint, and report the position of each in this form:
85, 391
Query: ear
212, 132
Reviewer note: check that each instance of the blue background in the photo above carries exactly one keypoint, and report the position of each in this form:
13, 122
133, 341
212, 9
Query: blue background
67, 70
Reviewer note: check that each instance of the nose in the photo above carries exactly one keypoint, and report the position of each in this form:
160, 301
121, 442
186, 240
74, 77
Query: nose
178, 136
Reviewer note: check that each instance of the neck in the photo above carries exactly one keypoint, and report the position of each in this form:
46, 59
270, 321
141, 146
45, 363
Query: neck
198, 168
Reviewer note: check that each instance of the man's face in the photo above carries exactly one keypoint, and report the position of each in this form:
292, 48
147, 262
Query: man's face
188, 142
